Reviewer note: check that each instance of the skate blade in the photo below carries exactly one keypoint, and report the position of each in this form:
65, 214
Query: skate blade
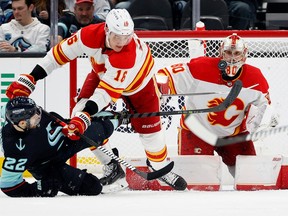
117, 186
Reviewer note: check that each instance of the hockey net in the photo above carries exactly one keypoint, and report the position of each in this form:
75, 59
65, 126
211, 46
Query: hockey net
268, 50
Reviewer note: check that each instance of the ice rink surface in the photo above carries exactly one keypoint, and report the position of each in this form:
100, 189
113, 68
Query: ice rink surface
150, 203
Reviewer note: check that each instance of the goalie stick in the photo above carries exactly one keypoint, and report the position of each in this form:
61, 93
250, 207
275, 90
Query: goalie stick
203, 133
234, 92
192, 94
201, 93
214, 140
146, 175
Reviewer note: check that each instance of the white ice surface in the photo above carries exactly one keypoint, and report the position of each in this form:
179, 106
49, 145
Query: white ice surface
150, 203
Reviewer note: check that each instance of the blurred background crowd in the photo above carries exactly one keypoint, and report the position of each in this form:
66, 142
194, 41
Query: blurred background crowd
30, 16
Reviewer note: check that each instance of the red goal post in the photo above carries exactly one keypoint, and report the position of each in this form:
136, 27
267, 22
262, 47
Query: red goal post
268, 50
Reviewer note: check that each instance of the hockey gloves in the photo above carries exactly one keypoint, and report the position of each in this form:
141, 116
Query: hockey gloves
47, 187
77, 125
24, 86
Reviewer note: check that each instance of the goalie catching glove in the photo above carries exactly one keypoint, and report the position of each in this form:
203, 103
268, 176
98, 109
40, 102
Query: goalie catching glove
77, 125
24, 86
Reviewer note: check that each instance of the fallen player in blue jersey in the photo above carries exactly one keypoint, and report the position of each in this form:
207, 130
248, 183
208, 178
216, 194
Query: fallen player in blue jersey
33, 141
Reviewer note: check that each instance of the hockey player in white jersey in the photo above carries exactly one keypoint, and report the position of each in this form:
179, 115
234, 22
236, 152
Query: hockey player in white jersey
218, 74
122, 67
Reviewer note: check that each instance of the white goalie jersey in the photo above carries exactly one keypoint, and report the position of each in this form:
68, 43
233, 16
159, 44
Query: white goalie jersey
202, 75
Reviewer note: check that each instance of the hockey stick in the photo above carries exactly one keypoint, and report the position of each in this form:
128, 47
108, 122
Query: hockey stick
191, 94
203, 133
201, 93
148, 176
234, 92
253, 136
216, 141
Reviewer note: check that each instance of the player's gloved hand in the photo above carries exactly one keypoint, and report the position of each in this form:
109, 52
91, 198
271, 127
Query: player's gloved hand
163, 84
77, 125
24, 86
47, 187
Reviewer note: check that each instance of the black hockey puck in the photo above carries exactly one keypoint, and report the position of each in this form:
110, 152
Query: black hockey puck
222, 65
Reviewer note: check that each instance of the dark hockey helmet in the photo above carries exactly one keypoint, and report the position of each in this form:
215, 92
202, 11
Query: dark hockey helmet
21, 108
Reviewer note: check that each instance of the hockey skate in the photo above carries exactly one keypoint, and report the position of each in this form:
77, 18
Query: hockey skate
172, 179
113, 178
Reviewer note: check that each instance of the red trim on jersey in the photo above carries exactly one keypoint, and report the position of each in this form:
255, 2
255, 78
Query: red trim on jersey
254, 74
91, 82
142, 74
114, 93
124, 59
98, 68
15, 187
157, 156
199, 67
59, 55
93, 36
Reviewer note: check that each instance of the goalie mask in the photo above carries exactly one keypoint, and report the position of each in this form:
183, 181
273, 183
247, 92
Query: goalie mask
23, 108
120, 23
233, 51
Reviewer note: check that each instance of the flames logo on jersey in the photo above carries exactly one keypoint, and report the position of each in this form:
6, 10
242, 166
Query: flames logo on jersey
224, 117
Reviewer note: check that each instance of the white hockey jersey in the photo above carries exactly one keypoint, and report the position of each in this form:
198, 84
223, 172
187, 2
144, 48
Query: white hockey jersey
34, 37
202, 75
121, 73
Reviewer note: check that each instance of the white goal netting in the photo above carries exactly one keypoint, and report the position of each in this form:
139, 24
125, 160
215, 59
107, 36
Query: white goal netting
269, 53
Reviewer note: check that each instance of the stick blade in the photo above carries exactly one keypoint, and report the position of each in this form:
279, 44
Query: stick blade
156, 174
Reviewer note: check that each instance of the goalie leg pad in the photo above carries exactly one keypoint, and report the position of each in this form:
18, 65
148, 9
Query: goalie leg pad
190, 144
229, 153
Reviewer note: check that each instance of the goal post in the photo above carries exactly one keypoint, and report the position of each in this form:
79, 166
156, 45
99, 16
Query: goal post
72, 98
268, 50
